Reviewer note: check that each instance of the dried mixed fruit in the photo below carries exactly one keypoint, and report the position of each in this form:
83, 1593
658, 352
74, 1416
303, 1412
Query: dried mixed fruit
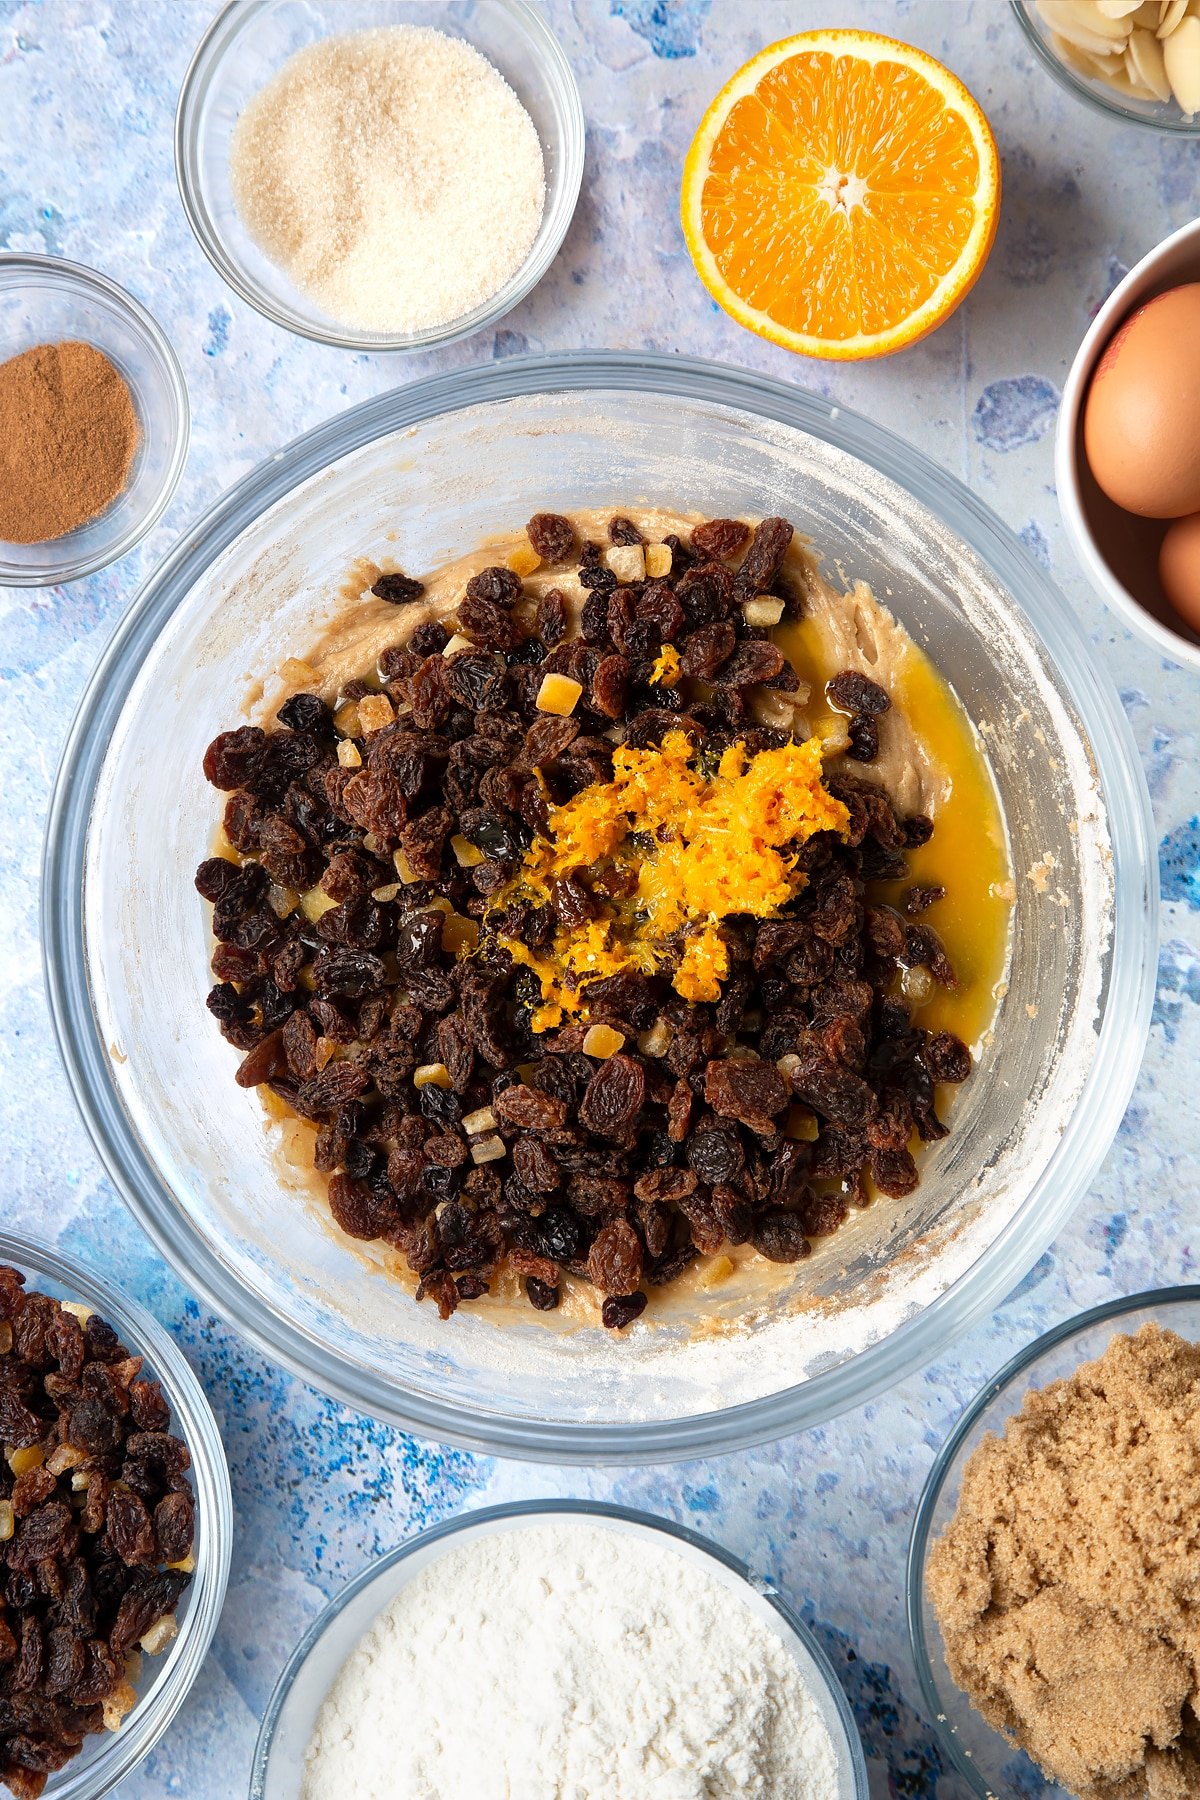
97, 1521
580, 970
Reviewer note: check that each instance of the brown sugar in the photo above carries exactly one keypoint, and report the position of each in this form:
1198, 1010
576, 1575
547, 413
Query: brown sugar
1067, 1585
68, 433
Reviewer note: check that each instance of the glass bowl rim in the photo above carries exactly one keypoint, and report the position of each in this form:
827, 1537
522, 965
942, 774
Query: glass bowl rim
919, 1539
193, 1419
1076, 85
76, 277
237, 16
1120, 1035
501, 1516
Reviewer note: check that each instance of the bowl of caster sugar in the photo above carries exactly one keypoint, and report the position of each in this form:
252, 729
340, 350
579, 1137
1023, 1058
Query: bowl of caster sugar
558, 1649
380, 174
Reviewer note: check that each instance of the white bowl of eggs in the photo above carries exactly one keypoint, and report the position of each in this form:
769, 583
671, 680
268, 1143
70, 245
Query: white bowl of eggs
1127, 452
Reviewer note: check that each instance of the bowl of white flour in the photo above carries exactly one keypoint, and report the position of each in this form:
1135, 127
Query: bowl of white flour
558, 1651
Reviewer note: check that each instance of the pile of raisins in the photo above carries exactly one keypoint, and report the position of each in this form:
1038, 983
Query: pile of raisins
622, 1171
100, 1508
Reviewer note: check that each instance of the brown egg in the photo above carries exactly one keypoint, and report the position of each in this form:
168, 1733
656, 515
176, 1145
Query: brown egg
1179, 568
1141, 420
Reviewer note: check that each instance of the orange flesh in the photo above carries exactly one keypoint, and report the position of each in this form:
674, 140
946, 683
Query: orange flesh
839, 194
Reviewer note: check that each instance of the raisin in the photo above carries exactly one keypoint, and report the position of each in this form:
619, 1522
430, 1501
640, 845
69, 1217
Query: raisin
779, 1236
623, 531
706, 649
715, 1154
920, 899
753, 661
431, 697
917, 830
720, 537
496, 585
767, 548
148, 1598
234, 758
552, 536
490, 623
148, 1406
214, 876
429, 639
923, 950
266, 1060
348, 974
398, 589
894, 1172
304, 712
946, 1057
852, 692
547, 737
745, 1089
863, 732
130, 1529
49, 1531
32, 1490
541, 1294
550, 622
558, 1234
620, 1310
615, 1258
609, 686
527, 1109
614, 1096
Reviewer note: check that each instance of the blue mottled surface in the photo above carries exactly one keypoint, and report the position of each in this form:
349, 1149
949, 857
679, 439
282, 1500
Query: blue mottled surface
87, 93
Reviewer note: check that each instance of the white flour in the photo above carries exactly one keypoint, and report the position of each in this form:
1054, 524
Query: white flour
568, 1661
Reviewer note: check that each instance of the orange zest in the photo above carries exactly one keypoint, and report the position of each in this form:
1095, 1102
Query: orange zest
694, 849
841, 195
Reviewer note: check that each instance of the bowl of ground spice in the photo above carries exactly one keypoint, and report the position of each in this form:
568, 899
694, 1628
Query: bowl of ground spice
93, 421
1053, 1570
386, 175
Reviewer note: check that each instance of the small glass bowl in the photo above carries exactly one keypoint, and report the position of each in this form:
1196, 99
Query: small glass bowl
301, 1689
45, 300
1159, 115
108, 1757
247, 43
992, 1767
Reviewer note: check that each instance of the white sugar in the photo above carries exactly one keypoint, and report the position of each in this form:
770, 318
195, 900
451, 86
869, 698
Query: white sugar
393, 174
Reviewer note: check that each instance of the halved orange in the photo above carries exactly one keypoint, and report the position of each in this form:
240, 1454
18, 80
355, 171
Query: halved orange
841, 194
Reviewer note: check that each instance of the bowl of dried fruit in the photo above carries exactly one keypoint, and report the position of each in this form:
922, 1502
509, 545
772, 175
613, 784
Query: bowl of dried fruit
115, 1522
620, 965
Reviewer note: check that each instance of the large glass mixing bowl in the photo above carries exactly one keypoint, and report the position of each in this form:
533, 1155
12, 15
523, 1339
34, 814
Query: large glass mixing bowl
423, 474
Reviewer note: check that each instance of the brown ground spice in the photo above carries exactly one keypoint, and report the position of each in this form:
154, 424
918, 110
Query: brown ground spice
1067, 1585
68, 433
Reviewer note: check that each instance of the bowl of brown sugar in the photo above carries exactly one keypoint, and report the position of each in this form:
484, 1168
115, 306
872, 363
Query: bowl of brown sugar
93, 421
1052, 1572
